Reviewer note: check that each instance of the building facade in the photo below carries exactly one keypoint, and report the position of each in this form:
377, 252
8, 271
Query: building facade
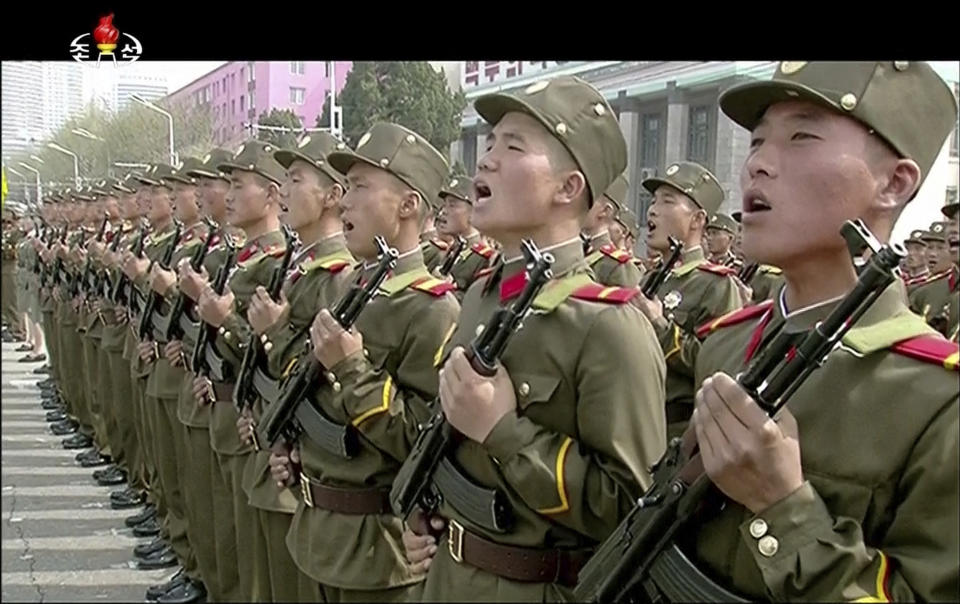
38, 97
239, 91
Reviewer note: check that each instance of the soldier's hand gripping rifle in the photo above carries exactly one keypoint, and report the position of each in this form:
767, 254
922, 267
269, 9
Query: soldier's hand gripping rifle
347, 310
58, 263
411, 487
85, 284
119, 295
154, 298
207, 333
652, 285
640, 560
182, 302
451, 258
244, 393
104, 285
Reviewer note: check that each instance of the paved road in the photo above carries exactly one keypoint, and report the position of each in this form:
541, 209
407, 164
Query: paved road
61, 540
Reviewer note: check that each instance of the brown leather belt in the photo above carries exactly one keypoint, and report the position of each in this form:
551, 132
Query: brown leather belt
516, 563
357, 502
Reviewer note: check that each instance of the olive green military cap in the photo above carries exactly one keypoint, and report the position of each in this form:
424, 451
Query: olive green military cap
950, 210
459, 186
628, 219
617, 191
155, 175
937, 232
723, 223
85, 194
314, 149
577, 115
916, 237
107, 187
209, 167
256, 156
904, 102
694, 181
128, 184
181, 172
401, 152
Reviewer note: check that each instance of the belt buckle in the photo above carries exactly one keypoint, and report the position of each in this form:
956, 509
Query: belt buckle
455, 541
305, 490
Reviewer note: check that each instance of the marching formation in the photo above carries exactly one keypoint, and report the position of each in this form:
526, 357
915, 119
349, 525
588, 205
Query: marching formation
335, 374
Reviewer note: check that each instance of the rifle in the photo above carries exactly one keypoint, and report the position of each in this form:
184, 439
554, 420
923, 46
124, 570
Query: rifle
103, 275
208, 333
642, 550
412, 483
154, 298
116, 296
660, 274
243, 392
85, 278
58, 263
451, 258
181, 303
747, 272
345, 312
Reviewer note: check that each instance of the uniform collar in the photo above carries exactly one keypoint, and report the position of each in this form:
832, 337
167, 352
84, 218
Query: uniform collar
689, 260
599, 240
406, 262
428, 235
568, 255
473, 239
322, 247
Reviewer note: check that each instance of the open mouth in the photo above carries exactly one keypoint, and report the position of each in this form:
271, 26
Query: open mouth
481, 190
755, 202
651, 227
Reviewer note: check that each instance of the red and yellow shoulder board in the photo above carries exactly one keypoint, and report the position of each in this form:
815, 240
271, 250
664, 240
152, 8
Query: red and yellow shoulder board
616, 253
484, 272
732, 318
440, 243
930, 349
596, 292
431, 285
483, 249
717, 269
276, 250
915, 280
334, 266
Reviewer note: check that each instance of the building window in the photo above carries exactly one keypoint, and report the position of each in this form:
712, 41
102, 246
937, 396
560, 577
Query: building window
955, 143
242, 73
326, 69
296, 95
252, 77
698, 139
650, 135
296, 67
242, 100
251, 100
233, 80
233, 107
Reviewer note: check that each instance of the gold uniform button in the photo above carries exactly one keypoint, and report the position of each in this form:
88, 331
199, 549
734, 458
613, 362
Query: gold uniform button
337, 387
758, 528
384, 162
561, 129
267, 346
848, 101
524, 389
768, 546
366, 353
222, 330
901, 65
330, 377
227, 335
263, 338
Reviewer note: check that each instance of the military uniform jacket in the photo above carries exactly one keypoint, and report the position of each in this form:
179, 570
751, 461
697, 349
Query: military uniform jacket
477, 257
728, 260
318, 277
434, 250
588, 376
11, 239
255, 263
766, 283
610, 264
115, 332
936, 300
384, 394
694, 293
876, 520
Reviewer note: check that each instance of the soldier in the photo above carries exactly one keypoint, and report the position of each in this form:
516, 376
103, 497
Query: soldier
11, 239
456, 221
934, 299
811, 513
696, 291
916, 267
433, 246
611, 265
253, 207
380, 376
554, 150
624, 230
28, 270
319, 273
721, 231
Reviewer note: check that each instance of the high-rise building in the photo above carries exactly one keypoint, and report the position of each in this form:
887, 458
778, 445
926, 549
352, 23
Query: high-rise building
38, 97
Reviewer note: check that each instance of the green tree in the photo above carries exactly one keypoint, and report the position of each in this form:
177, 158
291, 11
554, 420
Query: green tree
410, 93
283, 118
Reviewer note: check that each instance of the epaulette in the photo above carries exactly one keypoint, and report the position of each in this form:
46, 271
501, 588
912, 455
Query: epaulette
484, 272
483, 249
611, 251
433, 286
930, 349
397, 283
732, 318
915, 280
596, 292
440, 243
716, 269
772, 270
333, 263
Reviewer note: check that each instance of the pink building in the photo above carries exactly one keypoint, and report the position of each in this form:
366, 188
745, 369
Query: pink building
239, 91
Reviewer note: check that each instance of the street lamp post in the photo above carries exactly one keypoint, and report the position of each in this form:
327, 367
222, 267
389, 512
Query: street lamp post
76, 163
23, 181
36, 174
165, 113
89, 135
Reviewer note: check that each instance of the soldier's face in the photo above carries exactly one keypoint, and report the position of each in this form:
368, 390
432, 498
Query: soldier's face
808, 170
247, 200
161, 206
517, 185
144, 194
112, 207
938, 256
371, 207
185, 202
213, 197
301, 196
718, 241
916, 256
671, 214
456, 217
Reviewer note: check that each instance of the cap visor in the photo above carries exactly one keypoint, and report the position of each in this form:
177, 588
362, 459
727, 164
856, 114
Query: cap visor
342, 161
745, 104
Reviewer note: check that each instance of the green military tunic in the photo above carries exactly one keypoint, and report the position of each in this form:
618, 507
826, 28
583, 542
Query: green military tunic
8, 300
936, 300
728, 260
611, 265
766, 283
434, 250
475, 258
384, 395
876, 519
694, 293
571, 459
